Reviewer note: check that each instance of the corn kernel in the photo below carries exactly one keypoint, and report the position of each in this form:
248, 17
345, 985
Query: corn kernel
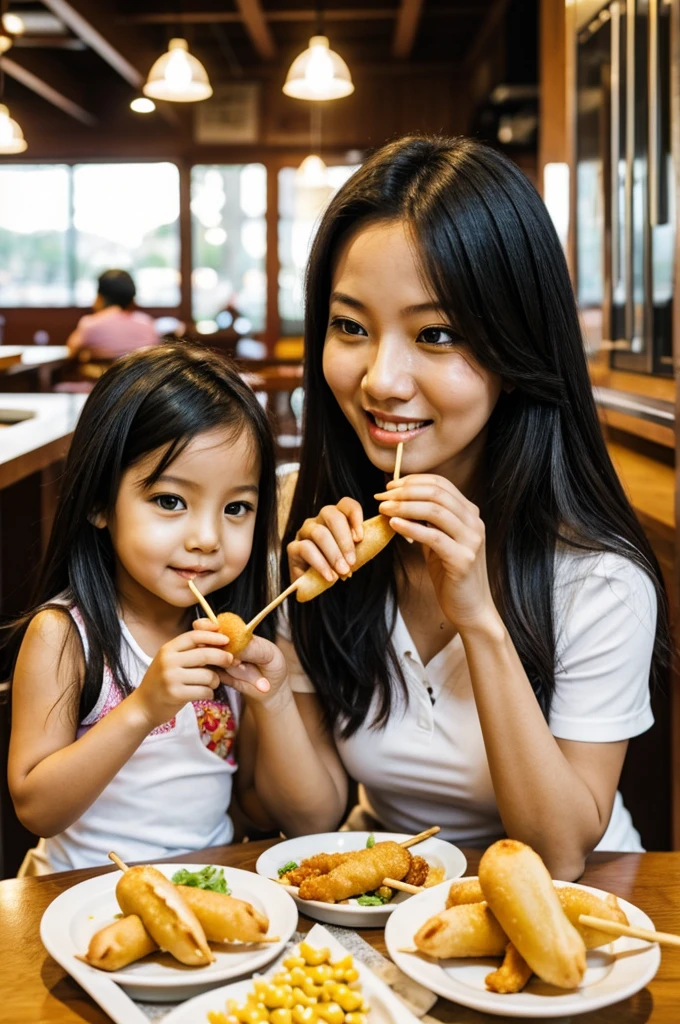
331, 1013
355, 1018
321, 973
344, 964
314, 956
300, 998
298, 976
281, 1016
348, 999
310, 989
294, 961
304, 1015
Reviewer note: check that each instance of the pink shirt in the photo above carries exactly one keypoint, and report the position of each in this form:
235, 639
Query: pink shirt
113, 332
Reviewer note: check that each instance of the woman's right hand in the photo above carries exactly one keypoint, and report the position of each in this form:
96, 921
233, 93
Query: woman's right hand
326, 542
184, 669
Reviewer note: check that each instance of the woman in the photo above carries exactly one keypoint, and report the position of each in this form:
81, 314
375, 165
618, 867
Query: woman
487, 676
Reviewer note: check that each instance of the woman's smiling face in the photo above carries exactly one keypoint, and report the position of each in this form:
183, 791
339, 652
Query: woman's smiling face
395, 363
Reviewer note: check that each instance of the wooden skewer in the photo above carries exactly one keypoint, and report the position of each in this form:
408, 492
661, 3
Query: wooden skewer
202, 601
614, 928
421, 837
118, 862
407, 949
397, 463
271, 606
394, 883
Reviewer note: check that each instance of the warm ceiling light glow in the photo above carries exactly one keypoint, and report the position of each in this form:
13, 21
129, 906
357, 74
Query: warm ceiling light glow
142, 105
313, 171
5, 43
318, 74
178, 76
13, 24
11, 136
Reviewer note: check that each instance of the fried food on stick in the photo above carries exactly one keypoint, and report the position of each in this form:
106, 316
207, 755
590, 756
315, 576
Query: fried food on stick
512, 975
470, 930
233, 626
119, 944
311, 867
224, 918
146, 892
520, 892
418, 871
362, 871
377, 535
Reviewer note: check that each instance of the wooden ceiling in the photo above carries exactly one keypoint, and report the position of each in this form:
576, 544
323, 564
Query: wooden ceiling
80, 56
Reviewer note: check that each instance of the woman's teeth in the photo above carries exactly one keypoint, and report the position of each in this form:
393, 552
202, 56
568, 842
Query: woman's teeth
398, 428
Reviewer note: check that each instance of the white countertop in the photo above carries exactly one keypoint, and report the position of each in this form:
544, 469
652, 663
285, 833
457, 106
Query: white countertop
36, 355
54, 419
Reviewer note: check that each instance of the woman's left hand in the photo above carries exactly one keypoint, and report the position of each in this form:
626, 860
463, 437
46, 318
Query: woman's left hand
431, 510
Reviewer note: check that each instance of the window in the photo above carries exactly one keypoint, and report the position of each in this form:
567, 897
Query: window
229, 236
300, 207
61, 226
34, 224
127, 216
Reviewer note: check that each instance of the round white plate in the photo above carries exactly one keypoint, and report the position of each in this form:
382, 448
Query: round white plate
386, 1007
613, 972
72, 918
351, 915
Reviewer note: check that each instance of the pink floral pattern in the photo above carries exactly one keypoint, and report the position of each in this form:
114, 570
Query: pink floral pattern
216, 727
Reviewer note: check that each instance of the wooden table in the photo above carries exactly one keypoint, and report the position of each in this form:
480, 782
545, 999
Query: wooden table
35, 990
26, 362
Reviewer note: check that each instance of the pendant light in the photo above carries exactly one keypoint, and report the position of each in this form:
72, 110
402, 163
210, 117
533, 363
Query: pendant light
11, 136
318, 73
178, 76
312, 172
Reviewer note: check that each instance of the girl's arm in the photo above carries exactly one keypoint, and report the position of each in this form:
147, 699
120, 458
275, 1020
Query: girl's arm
556, 795
54, 777
289, 771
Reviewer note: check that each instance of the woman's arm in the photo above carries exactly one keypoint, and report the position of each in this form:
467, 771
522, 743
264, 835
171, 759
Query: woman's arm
54, 777
554, 794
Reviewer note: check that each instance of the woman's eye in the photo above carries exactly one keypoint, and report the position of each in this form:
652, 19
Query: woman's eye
237, 508
439, 336
169, 502
348, 326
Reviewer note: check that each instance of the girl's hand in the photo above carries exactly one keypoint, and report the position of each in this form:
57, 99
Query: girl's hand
187, 668
326, 543
431, 510
259, 672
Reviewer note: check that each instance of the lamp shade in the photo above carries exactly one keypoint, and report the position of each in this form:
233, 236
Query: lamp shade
11, 136
178, 76
313, 172
5, 41
318, 74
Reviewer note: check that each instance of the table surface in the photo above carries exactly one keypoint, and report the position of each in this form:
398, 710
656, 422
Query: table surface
35, 990
37, 355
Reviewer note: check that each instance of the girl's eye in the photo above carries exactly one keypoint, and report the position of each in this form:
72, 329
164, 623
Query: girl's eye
441, 336
348, 326
238, 508
169, 502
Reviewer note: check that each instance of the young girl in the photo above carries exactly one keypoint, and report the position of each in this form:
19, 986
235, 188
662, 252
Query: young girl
487, 676
123, 736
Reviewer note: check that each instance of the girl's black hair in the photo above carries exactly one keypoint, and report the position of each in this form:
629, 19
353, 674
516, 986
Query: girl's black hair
153, 400
490, 253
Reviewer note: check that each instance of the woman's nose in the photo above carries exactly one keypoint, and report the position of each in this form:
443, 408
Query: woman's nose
388, 374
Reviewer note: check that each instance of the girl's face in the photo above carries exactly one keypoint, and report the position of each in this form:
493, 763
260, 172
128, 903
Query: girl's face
196, 522
396, 365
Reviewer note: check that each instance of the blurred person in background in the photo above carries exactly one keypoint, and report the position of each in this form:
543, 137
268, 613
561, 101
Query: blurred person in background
116, 327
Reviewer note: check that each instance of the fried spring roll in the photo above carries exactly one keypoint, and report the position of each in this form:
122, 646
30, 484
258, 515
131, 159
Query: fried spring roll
119, 944
469, 930
512, 975
362, 871
520, 892
146, 892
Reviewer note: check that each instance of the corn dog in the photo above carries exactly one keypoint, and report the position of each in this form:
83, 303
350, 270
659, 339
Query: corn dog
119, 944
470, 930
512, 975
377, 535
145, 891
311, 867
362, 871
519, 891
224, 918
233, 626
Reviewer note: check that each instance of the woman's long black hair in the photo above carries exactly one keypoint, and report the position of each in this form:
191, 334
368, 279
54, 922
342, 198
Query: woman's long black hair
490, 253
153, 400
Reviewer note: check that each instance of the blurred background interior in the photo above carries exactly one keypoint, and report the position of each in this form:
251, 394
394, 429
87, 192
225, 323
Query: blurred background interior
208, 199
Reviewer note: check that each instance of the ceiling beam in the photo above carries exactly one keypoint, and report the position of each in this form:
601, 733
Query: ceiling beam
59, 92
257, 28
405, 30
94, 21
27, 42
492, 21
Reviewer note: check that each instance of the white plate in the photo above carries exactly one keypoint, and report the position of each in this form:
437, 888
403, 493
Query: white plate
351, 915
71, 920
386, 1008
613, 972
